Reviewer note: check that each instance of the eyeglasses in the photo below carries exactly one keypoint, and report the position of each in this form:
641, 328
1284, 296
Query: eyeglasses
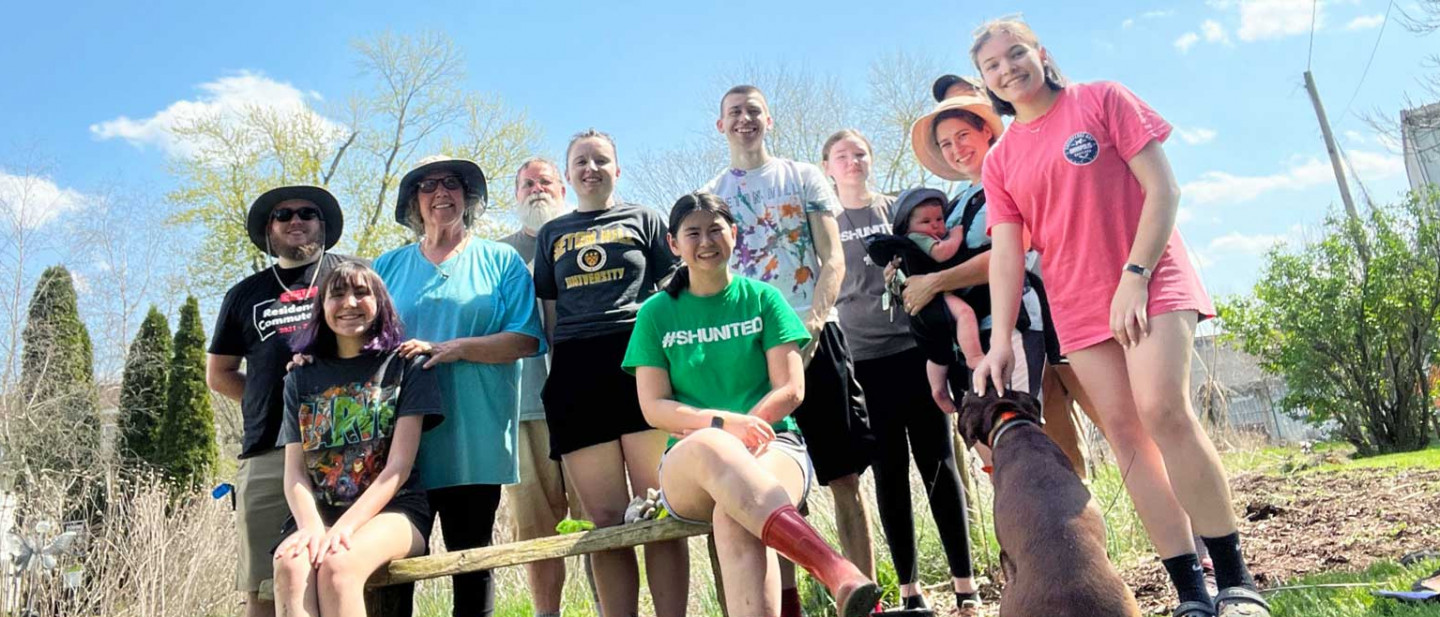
450, 182
285, 214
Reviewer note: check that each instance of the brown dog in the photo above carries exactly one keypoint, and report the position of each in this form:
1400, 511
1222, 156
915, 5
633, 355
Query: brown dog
1050, 531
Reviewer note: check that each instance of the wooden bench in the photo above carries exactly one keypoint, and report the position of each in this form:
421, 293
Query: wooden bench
403, 571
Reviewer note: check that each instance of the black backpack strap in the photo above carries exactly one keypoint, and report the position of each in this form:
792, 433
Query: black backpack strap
1052, 341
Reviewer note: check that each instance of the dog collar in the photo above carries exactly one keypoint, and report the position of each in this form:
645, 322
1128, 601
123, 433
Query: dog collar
1008, 420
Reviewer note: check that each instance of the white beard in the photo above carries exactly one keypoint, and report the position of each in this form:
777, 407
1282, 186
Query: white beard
534, 215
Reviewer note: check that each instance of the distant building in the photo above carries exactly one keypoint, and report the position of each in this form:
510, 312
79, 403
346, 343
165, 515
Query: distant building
1420, 141
1224, 378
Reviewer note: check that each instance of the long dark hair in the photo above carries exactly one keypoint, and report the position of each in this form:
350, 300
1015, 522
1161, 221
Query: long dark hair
386, 332
698, 201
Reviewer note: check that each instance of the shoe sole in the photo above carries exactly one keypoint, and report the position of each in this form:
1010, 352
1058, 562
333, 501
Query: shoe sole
862, 601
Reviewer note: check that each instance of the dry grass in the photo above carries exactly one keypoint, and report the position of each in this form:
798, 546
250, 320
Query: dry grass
146, 555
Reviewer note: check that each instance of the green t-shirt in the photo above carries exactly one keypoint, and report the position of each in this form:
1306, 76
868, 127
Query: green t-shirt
714, 346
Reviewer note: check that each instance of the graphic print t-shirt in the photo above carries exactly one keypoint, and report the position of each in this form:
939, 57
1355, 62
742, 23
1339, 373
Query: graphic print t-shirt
714, 346
599, 267
257, 319
870, 330
773, 239
342, 412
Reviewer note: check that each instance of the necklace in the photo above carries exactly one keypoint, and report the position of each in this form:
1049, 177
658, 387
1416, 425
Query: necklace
444, 275
275, 270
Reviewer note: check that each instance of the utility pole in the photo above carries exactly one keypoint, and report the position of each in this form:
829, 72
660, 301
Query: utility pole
1356, 229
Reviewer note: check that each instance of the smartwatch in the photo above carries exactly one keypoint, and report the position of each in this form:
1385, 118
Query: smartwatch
717, 422
1139, 269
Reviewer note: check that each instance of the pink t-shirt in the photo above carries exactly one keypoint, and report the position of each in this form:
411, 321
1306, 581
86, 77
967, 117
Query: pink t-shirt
1065, 176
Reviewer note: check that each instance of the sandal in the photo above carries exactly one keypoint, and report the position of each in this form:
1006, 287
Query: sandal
1241, 602
967, 604
1194, 609
1429, 583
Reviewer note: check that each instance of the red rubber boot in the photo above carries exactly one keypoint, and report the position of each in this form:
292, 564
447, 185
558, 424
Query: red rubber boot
788, 533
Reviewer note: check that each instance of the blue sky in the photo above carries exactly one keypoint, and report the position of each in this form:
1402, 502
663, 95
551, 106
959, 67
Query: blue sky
1227, 73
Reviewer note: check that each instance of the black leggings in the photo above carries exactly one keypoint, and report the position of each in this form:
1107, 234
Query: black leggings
467, 519
898, 397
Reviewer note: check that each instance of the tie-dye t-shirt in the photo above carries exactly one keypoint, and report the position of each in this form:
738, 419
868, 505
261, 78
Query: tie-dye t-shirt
342, 412
773, 239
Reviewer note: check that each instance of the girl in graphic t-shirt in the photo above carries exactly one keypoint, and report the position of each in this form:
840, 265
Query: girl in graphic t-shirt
593, 268
717, 364
1083, 170
353, 417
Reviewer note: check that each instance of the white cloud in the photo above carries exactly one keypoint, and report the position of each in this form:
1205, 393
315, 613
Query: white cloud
1365, 22
1155, 14
1186, 41
1274, 19
1236, 242
228, 97
1221, 187
33, 201
1214, 32
1184, 215
1127, 23
1195, 136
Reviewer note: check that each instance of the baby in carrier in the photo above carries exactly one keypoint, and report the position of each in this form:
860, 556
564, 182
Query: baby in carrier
923, 245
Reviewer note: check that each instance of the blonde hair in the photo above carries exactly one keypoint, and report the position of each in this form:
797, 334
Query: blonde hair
843, 134
1016, 27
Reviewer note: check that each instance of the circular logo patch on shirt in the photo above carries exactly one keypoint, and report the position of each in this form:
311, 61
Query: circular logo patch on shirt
591, 258
1081, 148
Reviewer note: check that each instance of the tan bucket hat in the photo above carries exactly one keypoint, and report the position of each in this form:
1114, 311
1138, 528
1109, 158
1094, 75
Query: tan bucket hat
922, 140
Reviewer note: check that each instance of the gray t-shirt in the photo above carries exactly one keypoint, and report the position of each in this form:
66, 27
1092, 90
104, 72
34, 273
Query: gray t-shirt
533, 371
599, 267
871, 331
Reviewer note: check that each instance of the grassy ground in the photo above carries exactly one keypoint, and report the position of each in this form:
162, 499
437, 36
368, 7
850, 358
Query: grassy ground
1311, 600
1127, 545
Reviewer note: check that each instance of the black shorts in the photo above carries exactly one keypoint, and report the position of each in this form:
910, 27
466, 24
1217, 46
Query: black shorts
411, 503
589, 399
832, 418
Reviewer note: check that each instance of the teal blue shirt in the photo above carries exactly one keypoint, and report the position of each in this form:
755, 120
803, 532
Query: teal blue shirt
484, 290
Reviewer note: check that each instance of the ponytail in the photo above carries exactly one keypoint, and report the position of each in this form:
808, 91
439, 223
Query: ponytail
678, 282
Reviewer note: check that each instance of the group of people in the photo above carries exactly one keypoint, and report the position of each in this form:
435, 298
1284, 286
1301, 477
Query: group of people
730, 356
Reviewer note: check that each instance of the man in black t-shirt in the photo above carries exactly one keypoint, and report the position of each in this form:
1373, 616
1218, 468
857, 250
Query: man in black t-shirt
295, 225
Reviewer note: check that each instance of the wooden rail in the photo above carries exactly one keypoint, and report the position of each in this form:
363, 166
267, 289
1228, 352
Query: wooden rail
401, 571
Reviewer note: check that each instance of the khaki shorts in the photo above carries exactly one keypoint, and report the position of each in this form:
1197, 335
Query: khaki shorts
260, 513
542, 498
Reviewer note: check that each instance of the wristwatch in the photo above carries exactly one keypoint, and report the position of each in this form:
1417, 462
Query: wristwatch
1139, 269
717, 422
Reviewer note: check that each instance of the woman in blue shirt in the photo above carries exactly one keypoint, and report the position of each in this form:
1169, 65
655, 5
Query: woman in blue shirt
470, 305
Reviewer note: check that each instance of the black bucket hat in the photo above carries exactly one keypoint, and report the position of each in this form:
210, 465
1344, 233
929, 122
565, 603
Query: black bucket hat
330, 214
468, 171
908, 201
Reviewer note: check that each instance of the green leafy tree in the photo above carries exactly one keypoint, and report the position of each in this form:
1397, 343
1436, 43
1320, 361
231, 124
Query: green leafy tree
187, 428
1354, 338
143, 391
412, 104
56, 427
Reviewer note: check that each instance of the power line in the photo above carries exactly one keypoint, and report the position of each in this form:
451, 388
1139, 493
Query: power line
1370, 61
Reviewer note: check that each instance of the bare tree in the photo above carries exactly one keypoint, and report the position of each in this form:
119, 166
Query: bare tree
899, 94
416, 96
27, 201
130, 248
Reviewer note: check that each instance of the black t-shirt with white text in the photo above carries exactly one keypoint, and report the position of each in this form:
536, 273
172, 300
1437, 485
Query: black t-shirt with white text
256, 320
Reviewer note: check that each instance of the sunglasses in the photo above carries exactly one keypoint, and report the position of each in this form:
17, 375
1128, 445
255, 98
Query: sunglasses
285, 214
450, 182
